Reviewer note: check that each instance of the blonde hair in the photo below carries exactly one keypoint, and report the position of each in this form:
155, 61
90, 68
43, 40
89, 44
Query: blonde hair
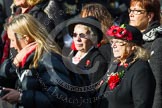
25, 24
100, 12
32, 2
142, 53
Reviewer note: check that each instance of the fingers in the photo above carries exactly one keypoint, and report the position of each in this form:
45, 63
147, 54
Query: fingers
11, 95
5, 97
27, 49
5, 92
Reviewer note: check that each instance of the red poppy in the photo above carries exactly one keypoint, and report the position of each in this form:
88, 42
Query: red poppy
120, 32
113, 81
88, 62
126, 65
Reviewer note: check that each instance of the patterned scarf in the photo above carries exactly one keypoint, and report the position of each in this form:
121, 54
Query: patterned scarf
152, 34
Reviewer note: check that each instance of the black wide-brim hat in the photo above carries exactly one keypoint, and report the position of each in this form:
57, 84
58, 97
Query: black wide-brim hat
88, 21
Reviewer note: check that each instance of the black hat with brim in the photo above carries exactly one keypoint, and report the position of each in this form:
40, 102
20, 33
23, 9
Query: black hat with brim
88, 21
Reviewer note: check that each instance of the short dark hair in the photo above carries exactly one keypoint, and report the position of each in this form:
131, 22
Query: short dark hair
149, 6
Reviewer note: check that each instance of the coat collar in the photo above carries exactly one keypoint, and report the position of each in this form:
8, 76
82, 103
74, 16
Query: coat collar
115, 65
88, 58
150, 33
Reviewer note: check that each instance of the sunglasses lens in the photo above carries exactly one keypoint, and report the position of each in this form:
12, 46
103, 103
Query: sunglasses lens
74, 35
82, 35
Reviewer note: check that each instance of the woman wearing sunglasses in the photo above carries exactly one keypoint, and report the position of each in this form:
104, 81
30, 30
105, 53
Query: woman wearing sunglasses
86, 34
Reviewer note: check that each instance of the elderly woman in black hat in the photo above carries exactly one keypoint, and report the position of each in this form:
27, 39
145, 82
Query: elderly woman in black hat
86, 34
130, 82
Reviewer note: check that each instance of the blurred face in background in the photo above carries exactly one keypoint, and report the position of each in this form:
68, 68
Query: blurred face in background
82, 38
138, 16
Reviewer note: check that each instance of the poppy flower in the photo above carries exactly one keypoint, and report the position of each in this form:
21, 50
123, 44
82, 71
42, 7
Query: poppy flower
114, 79
88, 62
119, 32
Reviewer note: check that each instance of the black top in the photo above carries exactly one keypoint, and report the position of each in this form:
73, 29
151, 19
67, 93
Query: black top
42, 87
135, 90
153, 40
96, 67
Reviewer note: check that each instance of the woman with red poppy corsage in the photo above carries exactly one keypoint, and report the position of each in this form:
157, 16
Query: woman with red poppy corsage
130, 82
86, 34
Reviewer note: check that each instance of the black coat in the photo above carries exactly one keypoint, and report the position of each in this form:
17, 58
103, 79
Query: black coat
153, 40
47, 12
97, 65
92, 73
106, 51
135, 90
42, 87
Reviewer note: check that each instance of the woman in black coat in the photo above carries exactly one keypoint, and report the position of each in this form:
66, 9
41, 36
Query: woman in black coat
37, 69
148, 22
86, 34
130, 82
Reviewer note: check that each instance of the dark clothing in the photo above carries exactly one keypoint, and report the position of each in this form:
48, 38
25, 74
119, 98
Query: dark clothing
45, 90
153, 40
93, 68
44, 13
106, 51
134, 90
97, 65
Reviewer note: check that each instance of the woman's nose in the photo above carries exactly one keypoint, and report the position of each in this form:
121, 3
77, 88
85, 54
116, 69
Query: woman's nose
113, 45
78, 38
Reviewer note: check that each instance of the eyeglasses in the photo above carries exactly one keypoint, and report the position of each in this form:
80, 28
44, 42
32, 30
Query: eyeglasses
81, 35
136, 12
118, 43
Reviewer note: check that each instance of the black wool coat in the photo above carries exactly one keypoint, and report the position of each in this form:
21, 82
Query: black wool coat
153, 40
135, 90
45, 86
97, 65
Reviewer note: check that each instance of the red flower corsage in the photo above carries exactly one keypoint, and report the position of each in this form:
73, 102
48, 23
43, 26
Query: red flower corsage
119, 32
88, 62
114, 79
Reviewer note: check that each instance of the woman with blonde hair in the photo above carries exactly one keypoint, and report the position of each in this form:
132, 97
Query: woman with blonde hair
130, 82
35, 68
